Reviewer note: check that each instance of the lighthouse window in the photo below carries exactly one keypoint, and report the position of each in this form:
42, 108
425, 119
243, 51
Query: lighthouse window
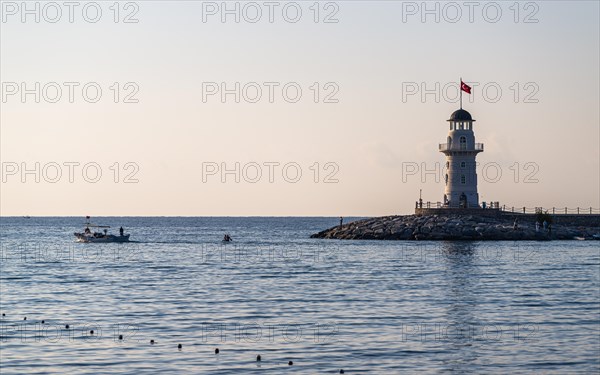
463, 143
468, 126
463, 179
463, 164
446, 178
461, 125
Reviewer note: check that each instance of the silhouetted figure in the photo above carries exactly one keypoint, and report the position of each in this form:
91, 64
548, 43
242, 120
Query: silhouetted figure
516, 224
341, 221
258, 358
121, 231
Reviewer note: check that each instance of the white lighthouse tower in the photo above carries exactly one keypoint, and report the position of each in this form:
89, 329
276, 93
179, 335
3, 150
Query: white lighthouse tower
461, 150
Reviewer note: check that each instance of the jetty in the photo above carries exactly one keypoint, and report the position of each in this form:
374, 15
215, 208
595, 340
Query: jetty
470, 224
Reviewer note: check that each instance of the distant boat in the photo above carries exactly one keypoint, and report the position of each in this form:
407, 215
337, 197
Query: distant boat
26, 217
98, 237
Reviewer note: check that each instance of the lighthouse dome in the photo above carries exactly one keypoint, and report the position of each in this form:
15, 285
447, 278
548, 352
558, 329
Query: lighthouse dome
460, 115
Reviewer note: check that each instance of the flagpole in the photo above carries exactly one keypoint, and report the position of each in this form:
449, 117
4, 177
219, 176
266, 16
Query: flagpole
460, 89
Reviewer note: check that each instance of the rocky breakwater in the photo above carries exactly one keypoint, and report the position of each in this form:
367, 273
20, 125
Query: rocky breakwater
451, 227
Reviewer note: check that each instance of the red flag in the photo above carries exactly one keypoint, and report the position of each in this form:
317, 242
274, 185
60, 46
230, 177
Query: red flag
464, 87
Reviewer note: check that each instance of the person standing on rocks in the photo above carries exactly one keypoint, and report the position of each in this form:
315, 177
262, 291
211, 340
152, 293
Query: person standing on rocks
341, 221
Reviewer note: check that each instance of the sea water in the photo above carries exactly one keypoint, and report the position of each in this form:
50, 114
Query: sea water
363, 306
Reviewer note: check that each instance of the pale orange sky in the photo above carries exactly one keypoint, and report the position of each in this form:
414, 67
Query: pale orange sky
367, 136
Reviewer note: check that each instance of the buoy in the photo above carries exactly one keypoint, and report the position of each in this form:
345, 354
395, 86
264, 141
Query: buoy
25, 318
152, 342
3, 314
66, 326
179, 346
290, 363
43, 321
341, 371
92, 332
217, 351
258, 358
120, 337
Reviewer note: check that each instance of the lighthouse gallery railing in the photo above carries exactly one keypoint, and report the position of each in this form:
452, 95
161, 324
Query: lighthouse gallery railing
460, 147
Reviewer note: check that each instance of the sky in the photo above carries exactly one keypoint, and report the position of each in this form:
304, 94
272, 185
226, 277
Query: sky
294, 108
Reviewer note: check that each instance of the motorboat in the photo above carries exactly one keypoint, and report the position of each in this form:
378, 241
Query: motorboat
93, 235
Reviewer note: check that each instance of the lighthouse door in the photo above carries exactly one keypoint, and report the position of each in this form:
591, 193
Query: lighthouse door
463, 201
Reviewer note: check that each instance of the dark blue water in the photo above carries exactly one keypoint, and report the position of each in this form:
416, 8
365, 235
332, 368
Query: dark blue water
364, 306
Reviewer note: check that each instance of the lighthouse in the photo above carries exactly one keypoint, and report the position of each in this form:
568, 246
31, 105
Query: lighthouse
461, 150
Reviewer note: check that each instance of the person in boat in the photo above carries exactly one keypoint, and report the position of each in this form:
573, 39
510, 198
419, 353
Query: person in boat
106, 233
87, 231
121, 231
226, 238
